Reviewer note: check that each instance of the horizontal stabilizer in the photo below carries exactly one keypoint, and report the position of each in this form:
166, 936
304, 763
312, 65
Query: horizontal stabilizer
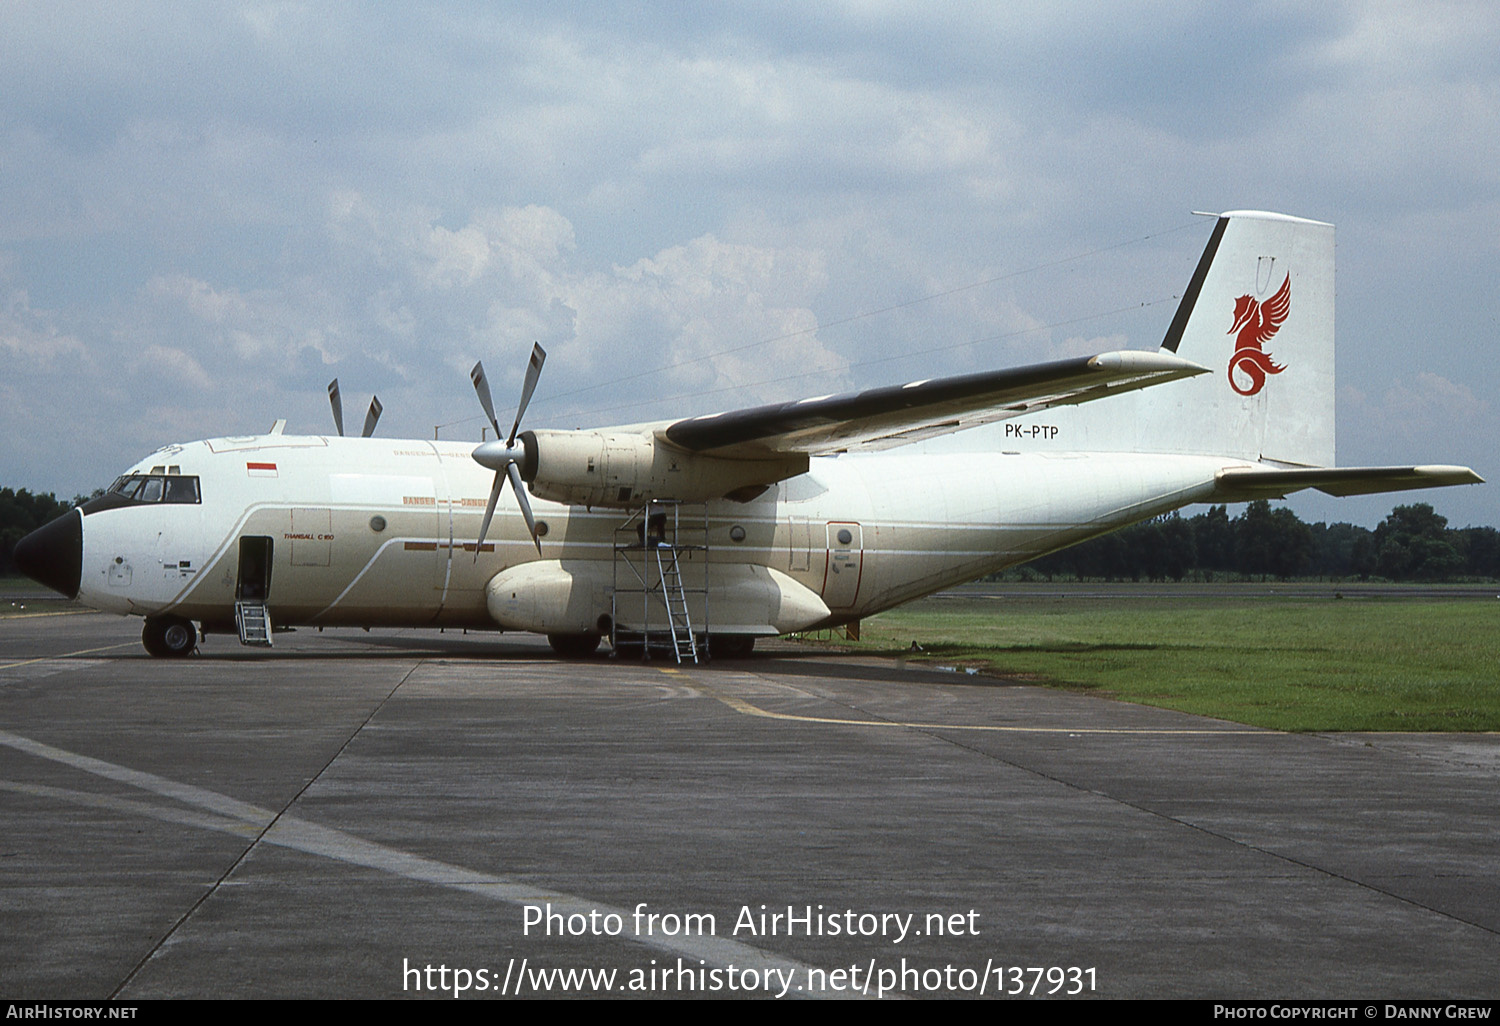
1242, 484
881, 418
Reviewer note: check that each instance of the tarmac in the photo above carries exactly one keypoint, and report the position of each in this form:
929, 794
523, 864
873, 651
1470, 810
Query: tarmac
424, 814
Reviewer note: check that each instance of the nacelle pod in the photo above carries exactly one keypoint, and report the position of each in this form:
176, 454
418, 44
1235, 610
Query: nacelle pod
627, 468
573, 597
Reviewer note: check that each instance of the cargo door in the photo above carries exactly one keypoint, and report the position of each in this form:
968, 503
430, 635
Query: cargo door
311, 537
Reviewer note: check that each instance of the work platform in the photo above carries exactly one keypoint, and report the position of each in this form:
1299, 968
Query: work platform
659, 599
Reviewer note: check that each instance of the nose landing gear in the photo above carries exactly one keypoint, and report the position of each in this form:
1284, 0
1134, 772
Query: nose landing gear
169, 636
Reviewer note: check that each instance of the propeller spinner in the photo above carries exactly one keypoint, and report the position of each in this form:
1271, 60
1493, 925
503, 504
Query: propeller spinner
503, 459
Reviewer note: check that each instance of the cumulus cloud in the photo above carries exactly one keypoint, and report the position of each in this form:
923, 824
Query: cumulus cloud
211, 211
30, 339
713, 315
1421, 405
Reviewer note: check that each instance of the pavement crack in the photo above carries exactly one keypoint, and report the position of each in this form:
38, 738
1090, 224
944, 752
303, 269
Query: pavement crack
259, 837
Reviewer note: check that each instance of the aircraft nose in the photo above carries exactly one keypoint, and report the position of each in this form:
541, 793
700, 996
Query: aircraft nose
53, 554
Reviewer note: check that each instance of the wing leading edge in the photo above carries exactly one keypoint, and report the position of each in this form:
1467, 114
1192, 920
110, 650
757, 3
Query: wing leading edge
894, 415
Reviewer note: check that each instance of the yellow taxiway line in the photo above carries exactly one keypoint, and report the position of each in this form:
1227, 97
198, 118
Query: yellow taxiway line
745, 708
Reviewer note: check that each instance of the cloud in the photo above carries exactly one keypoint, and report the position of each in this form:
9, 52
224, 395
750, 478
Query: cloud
260, 196
30, 339
716, 317
1426, 397
174, 365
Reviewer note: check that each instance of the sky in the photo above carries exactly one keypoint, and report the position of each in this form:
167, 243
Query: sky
209, 210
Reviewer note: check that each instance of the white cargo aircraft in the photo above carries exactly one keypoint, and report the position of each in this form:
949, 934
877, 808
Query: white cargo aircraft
715, 530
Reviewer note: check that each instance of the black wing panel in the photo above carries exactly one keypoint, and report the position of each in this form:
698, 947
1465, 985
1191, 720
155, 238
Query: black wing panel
897, 414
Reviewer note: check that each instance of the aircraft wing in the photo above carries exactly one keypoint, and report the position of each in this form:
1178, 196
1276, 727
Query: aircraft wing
881, 418
1239, 484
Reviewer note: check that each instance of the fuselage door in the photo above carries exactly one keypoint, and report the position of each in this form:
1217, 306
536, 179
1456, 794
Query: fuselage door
254, 583
846, 556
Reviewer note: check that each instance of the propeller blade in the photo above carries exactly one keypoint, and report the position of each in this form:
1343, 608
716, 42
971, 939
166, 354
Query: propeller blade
519, 487
482, 389
373, 417
489, 514
338, 405
533, 372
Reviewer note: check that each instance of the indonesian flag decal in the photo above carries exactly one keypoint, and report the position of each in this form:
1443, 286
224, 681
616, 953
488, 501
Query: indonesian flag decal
1255, 323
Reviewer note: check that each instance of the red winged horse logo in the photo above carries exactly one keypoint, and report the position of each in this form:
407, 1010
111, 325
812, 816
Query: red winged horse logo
1256, 322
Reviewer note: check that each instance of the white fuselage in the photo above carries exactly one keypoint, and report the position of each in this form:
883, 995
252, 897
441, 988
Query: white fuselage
367, 532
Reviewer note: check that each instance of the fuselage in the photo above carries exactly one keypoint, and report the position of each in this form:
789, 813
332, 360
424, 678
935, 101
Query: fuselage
367, 532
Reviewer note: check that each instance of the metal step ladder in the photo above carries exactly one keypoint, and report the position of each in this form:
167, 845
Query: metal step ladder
254, 622
684, 646
659, 595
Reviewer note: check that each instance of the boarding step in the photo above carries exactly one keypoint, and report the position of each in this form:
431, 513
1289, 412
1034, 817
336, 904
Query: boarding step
254, 622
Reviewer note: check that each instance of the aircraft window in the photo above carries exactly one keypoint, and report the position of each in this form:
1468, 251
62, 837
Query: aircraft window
126, 486
182, 489
139, 489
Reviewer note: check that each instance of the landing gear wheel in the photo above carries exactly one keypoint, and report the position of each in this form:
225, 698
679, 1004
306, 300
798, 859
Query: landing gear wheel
574, 646
730, 646
169, 636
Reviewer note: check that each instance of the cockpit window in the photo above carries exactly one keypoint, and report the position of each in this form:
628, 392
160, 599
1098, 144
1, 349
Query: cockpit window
182, 489
146, 489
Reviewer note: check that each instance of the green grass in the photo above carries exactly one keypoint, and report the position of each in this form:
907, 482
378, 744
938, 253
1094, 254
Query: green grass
1285, 663
11, 588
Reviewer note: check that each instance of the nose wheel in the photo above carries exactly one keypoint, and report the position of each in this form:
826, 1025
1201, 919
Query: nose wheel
169, 636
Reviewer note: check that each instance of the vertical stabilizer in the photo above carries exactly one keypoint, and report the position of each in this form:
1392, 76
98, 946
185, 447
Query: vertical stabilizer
1259, 312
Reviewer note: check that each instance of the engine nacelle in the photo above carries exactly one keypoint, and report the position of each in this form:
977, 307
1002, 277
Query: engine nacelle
625, 469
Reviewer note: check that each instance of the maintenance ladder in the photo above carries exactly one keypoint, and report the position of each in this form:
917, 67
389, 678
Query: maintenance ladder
660, 575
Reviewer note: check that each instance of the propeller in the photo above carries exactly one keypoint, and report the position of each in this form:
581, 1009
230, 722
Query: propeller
371, 418
503, 459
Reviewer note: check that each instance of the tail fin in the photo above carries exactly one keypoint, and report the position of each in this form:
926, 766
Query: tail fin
1259, 311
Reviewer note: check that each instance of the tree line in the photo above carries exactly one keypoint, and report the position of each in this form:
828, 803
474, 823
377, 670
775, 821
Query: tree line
1413, 543
21, 512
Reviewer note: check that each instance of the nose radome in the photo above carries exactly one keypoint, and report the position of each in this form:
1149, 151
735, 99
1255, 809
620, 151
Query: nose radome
53, 554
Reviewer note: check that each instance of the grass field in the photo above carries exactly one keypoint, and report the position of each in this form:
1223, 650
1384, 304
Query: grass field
1286, 663
19, 596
